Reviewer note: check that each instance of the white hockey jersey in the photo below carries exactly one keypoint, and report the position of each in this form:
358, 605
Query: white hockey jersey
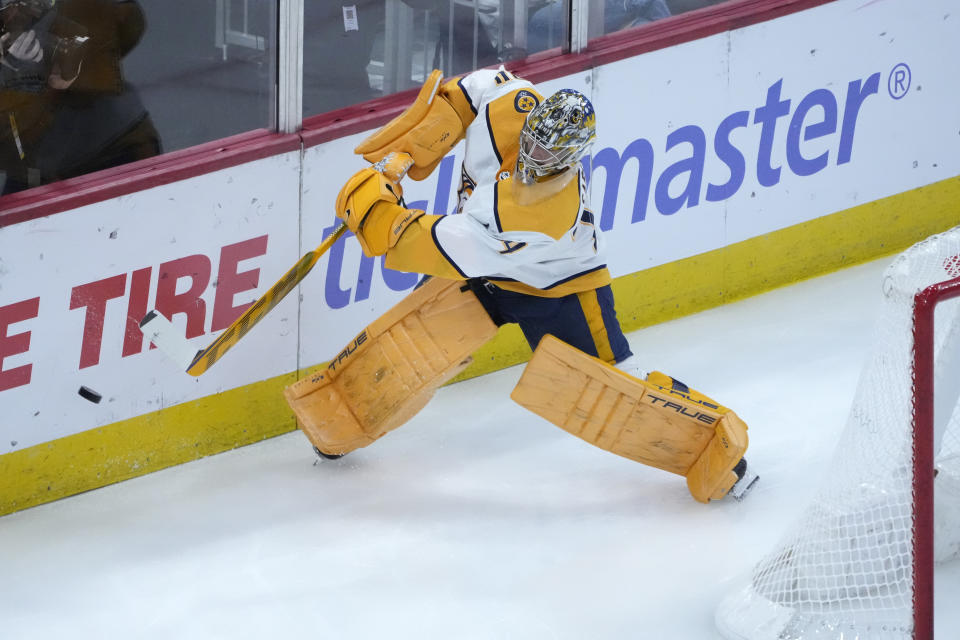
551, 248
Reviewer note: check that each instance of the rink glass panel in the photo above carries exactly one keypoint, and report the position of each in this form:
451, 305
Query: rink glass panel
207, 68
611, 16
364, 49
155, 76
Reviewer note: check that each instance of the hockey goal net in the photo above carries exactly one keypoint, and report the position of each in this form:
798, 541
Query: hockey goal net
858, 563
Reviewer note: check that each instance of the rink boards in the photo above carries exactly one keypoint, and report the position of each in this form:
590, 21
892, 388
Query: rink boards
720, 171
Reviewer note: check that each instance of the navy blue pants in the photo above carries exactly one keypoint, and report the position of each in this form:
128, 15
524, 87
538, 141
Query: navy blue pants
585, 320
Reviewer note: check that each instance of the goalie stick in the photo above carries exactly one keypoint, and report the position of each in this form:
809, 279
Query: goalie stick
174, 344
165, 336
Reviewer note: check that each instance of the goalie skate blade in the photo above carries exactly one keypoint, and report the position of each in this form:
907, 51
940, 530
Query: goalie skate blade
328, 456
743, 486
165, 336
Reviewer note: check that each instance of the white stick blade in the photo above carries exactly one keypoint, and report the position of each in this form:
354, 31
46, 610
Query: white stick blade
161, 332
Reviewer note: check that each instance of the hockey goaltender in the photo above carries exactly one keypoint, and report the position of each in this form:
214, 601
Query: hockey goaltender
522, 248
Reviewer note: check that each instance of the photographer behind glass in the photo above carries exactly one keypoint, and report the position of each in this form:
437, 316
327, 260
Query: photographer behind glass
40, 53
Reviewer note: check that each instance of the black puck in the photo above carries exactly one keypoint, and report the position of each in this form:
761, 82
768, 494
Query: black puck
90, 394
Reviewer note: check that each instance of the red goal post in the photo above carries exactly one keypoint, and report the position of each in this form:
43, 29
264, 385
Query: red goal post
925, 304
859, 560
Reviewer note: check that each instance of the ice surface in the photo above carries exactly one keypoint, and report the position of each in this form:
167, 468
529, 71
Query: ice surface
475, 520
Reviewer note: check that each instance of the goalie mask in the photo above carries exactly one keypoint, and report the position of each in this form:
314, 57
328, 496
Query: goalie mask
555, 136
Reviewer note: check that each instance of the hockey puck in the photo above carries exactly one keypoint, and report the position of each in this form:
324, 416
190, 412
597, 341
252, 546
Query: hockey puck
90, 394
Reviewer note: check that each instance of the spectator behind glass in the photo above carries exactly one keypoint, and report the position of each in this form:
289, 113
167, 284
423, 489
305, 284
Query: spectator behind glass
338, 38
40, 54
100, 121
546, 27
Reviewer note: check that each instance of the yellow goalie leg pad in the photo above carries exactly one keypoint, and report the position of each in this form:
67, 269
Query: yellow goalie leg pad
656, 421
391, 370
427, 131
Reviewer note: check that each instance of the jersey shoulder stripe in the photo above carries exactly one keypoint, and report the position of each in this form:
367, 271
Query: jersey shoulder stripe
466, 96
493, 136
479, 87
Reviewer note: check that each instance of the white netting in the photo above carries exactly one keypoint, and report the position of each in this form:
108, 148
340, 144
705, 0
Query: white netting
845, 569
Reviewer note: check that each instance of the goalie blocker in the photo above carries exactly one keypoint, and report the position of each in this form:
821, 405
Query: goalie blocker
658, 421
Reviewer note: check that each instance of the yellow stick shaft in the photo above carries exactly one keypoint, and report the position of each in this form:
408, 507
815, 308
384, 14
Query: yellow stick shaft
263, 305
394, 166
